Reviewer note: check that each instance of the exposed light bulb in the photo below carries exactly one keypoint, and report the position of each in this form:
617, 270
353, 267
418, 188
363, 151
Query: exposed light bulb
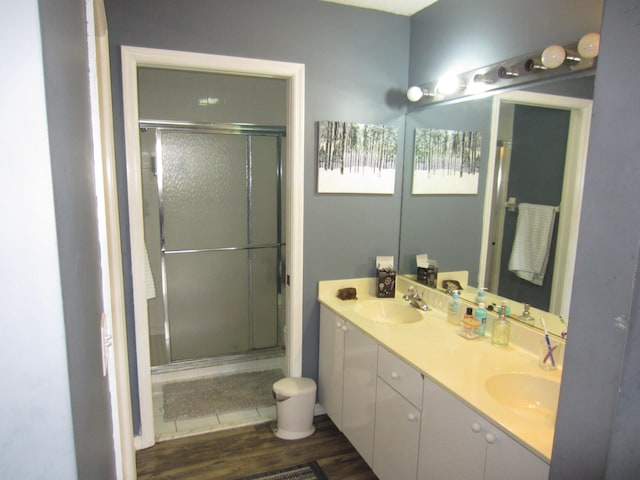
589, 45
415, 94
553, 56
448, 84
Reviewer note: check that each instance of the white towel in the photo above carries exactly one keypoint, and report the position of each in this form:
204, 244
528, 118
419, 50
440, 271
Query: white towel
532, 242
150, 285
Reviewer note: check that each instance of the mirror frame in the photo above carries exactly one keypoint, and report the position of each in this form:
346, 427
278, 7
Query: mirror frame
573, 183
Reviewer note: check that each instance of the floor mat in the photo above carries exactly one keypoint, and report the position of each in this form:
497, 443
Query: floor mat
308, 471
222, 394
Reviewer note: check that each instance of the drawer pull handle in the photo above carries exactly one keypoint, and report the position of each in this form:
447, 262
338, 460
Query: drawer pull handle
490, 437
412, 417
476, 427
395, 375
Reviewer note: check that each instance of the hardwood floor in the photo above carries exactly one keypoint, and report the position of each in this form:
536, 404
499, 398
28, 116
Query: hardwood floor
233, 454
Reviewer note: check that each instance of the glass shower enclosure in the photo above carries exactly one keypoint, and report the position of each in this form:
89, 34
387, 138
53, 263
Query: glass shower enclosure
213, 229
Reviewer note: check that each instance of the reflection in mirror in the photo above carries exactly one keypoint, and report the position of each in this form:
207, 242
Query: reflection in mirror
537, 139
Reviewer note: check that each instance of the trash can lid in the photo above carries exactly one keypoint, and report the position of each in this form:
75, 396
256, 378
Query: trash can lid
291, 386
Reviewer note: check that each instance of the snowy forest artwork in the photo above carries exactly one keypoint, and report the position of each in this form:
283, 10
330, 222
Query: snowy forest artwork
446, 161
356, 158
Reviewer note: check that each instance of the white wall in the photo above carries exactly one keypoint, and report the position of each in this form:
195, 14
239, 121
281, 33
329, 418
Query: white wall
37, 434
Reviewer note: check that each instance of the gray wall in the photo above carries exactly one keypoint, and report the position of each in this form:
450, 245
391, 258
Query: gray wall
356, 70
594, 420
70, 141
54, 402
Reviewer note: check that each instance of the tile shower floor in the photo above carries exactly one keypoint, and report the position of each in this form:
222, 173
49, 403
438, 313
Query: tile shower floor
171, 429
167, 430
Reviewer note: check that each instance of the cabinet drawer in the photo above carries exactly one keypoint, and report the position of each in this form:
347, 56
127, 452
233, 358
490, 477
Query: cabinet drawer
404, 379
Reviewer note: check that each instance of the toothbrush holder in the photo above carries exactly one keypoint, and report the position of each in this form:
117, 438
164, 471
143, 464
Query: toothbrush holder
549, 353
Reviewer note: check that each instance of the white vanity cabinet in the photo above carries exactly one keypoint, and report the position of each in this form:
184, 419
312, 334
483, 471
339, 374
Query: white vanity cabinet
457, 442
331, 364
348, 352
405, 426
397, 423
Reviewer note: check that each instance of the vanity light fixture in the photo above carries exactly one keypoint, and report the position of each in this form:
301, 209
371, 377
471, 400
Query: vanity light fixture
577, 58
555, 55
415, 93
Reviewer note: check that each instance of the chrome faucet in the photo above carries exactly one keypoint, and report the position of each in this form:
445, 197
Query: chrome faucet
414, 299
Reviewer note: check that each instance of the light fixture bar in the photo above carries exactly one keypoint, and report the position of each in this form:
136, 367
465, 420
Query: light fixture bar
554, 61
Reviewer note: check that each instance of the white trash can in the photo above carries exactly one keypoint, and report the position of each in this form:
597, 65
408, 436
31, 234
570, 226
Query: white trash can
295, 403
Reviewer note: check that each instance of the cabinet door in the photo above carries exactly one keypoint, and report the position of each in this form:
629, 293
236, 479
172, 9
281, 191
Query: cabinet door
506, 458
452, 443
330, 369
397, 430
358, 401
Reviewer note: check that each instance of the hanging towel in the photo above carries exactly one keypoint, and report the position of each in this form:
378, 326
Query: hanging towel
534, 230
150, 285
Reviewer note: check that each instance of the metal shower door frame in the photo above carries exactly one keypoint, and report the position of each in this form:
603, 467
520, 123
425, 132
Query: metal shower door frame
248, 130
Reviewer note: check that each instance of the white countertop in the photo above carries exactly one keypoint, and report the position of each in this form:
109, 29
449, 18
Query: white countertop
461, 366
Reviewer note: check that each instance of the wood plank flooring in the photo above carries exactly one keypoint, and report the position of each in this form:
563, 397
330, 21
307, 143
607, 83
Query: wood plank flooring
232, 454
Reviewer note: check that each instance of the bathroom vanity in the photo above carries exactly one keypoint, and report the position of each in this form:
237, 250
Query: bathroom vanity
418, 401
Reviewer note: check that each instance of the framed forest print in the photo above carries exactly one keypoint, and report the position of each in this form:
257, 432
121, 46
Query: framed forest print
356, 158
446, 162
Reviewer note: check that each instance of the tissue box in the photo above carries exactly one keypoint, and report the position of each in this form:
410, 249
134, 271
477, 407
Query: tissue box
385, 283
428, 276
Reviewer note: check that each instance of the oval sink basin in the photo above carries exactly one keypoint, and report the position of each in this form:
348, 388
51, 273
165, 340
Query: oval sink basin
526, 393
386, 311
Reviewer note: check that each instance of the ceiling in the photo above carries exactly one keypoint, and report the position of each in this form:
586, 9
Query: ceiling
400, 7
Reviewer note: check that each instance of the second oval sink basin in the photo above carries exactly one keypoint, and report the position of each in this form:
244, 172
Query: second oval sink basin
386, 311
525, 392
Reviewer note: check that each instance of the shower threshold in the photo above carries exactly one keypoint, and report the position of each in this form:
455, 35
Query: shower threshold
254, 360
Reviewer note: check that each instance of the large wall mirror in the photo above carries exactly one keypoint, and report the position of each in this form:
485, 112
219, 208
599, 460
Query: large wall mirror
533, 150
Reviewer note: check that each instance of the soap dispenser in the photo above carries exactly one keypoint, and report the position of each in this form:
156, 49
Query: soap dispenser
454, 310
480, 316
501, 330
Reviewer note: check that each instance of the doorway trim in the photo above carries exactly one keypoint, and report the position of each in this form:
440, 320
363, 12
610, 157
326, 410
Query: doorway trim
572, 188
134, 57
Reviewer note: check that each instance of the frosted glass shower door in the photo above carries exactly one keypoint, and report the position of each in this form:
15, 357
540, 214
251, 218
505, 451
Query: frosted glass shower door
219, 227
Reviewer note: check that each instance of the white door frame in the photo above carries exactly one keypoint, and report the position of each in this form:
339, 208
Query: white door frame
134, 57
114, 341
572, 187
